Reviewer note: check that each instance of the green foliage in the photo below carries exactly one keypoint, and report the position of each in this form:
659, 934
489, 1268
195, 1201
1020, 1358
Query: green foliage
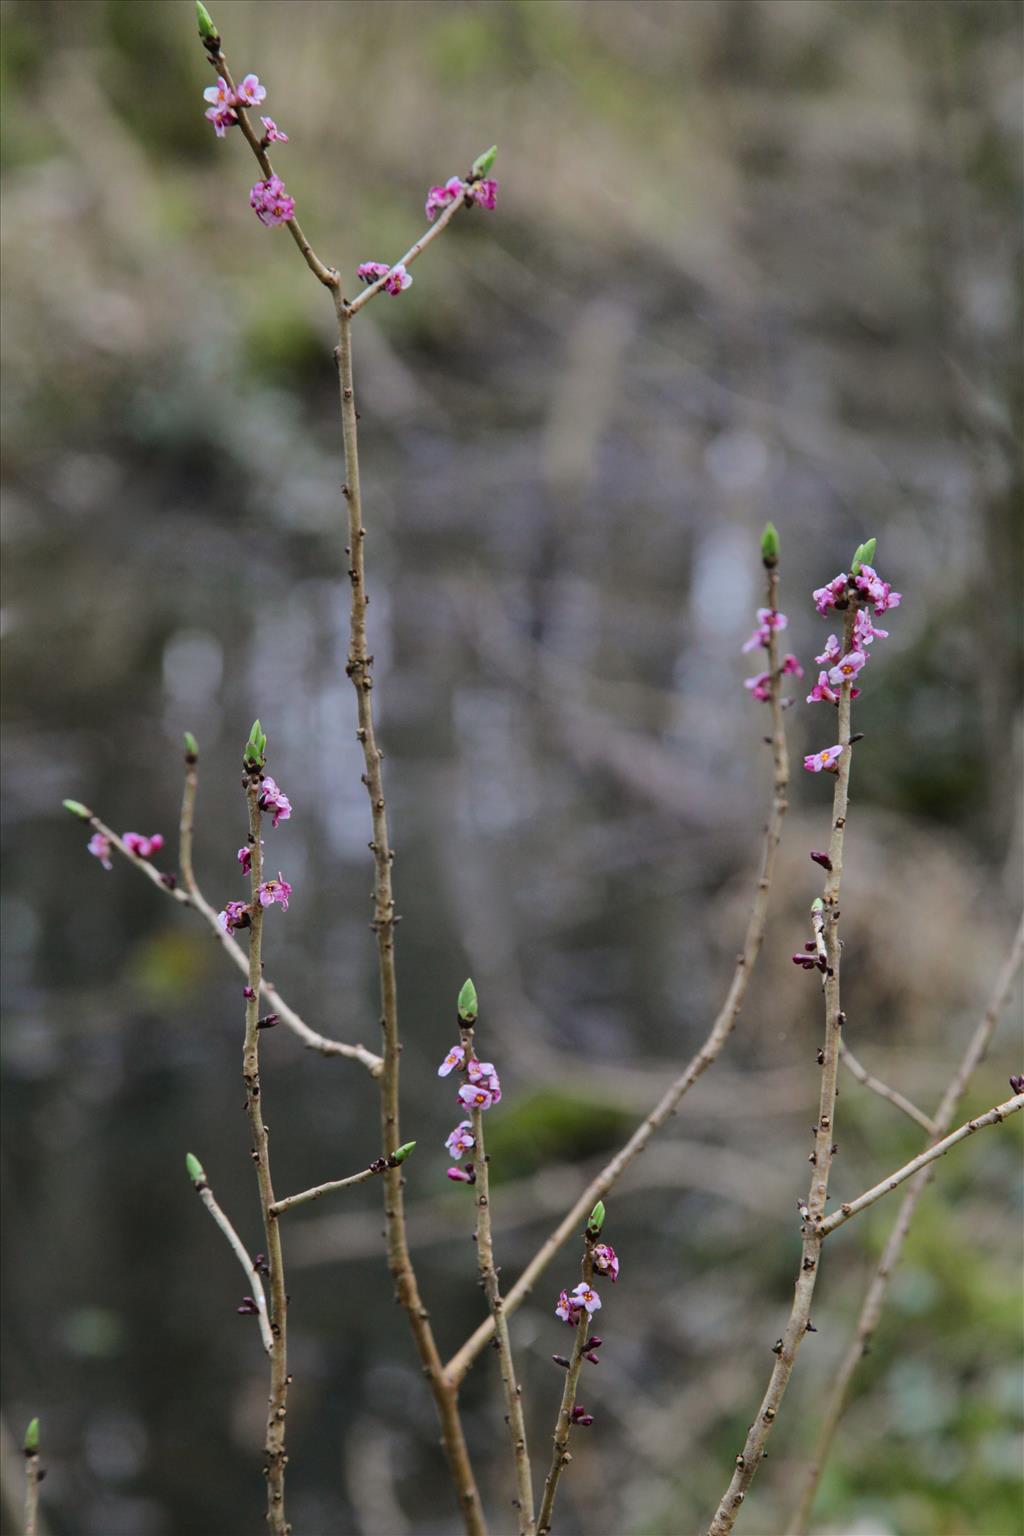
547, 1127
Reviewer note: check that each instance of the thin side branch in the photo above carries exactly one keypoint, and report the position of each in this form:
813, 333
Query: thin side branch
850, 1208
750, 1458
249, 1269
875, 1297
709, 1052
443, 220
892, 1095
290, 1201
359, 670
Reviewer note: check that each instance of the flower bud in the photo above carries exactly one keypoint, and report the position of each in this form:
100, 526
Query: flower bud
195, 1170
468, 1003
482, 164
400, 1154
77, 809
256, 746
32, 1438
596, 1221
770, 545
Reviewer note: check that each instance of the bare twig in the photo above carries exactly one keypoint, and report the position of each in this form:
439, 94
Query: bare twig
193, 897
850, 1208
358, 668
249, 1269
883, 1090
874, 1300
290, 1201
721, 1029
277, 1405
750, 1458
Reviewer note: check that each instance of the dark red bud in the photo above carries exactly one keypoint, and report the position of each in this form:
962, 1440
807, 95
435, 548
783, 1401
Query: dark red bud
593, 1342
170, 880
1017, 1083
561, 1360
594, 1360
821, 858
248, 994
268, 1021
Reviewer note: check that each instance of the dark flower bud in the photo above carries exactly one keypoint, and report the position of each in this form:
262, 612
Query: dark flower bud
1017, 1084
821, 858
561, 1360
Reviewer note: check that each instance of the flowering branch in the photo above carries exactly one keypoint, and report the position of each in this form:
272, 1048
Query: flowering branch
874, 1300
481, 1096
33, 1477
850, 1208
379, 1165
724, 1022
249, 1268
848, 593
193, 897
883, 1090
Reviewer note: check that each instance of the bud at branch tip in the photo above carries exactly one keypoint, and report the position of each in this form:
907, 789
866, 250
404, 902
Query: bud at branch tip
77, 809
32, 1438
191, 745
596, 1221
204, 21
467, 1003
400, 1154
770, 545
195, 1169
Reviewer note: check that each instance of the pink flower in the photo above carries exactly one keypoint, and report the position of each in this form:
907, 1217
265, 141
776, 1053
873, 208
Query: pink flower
142, 847
439, 197
250, 93
761, 686
847, 668
99, 847
606, 1261
275, 890
219, 95
876, 590
273, 133
482, 1075
270, 202
767, 620
825, 759
372, 271
864, 631
832, 652
485, 193
461, 1139
476, 1096
272, 799
566, 1309
791, 667
222, 119
827, 596
397, 280
244, 857
586, 1297
465, 1175
235, 915
821, 690
456, 1056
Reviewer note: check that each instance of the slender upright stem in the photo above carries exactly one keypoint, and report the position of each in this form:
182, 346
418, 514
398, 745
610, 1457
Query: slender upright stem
277, 1406
358, 669
875, 1297
721, 1029
560, 1457
750, 1458
240, 1251
492, 1289
31, 1492
891, 1095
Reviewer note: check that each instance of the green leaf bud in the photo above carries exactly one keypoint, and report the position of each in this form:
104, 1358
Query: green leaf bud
482, 164
77, 809
770, 545
207, 31
400, 1154
195, 1169
596, 1221
32, 1438
191, 745
467, 1003
817, 905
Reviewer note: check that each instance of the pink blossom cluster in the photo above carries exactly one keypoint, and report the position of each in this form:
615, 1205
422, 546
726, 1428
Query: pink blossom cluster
484, 192
274, 800
606, 1260
769, 620
761, 685
397, 278
99, 845
572, 1305
270, 202
238, 914
223, 103
481, 1090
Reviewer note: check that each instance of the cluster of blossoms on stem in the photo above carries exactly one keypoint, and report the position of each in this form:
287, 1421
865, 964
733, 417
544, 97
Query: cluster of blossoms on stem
483, 192
268, 199
572, 1305
397, 278
769, 620
238, 914
99, 846
862, 588
270, 202
480, 1090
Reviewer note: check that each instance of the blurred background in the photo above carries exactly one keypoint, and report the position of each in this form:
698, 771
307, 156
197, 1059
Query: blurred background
750, 260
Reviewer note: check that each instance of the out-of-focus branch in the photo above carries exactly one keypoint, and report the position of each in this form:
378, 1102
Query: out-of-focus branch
709, 1052
252, 1275
883, 1090
850, 1208
875, 1297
